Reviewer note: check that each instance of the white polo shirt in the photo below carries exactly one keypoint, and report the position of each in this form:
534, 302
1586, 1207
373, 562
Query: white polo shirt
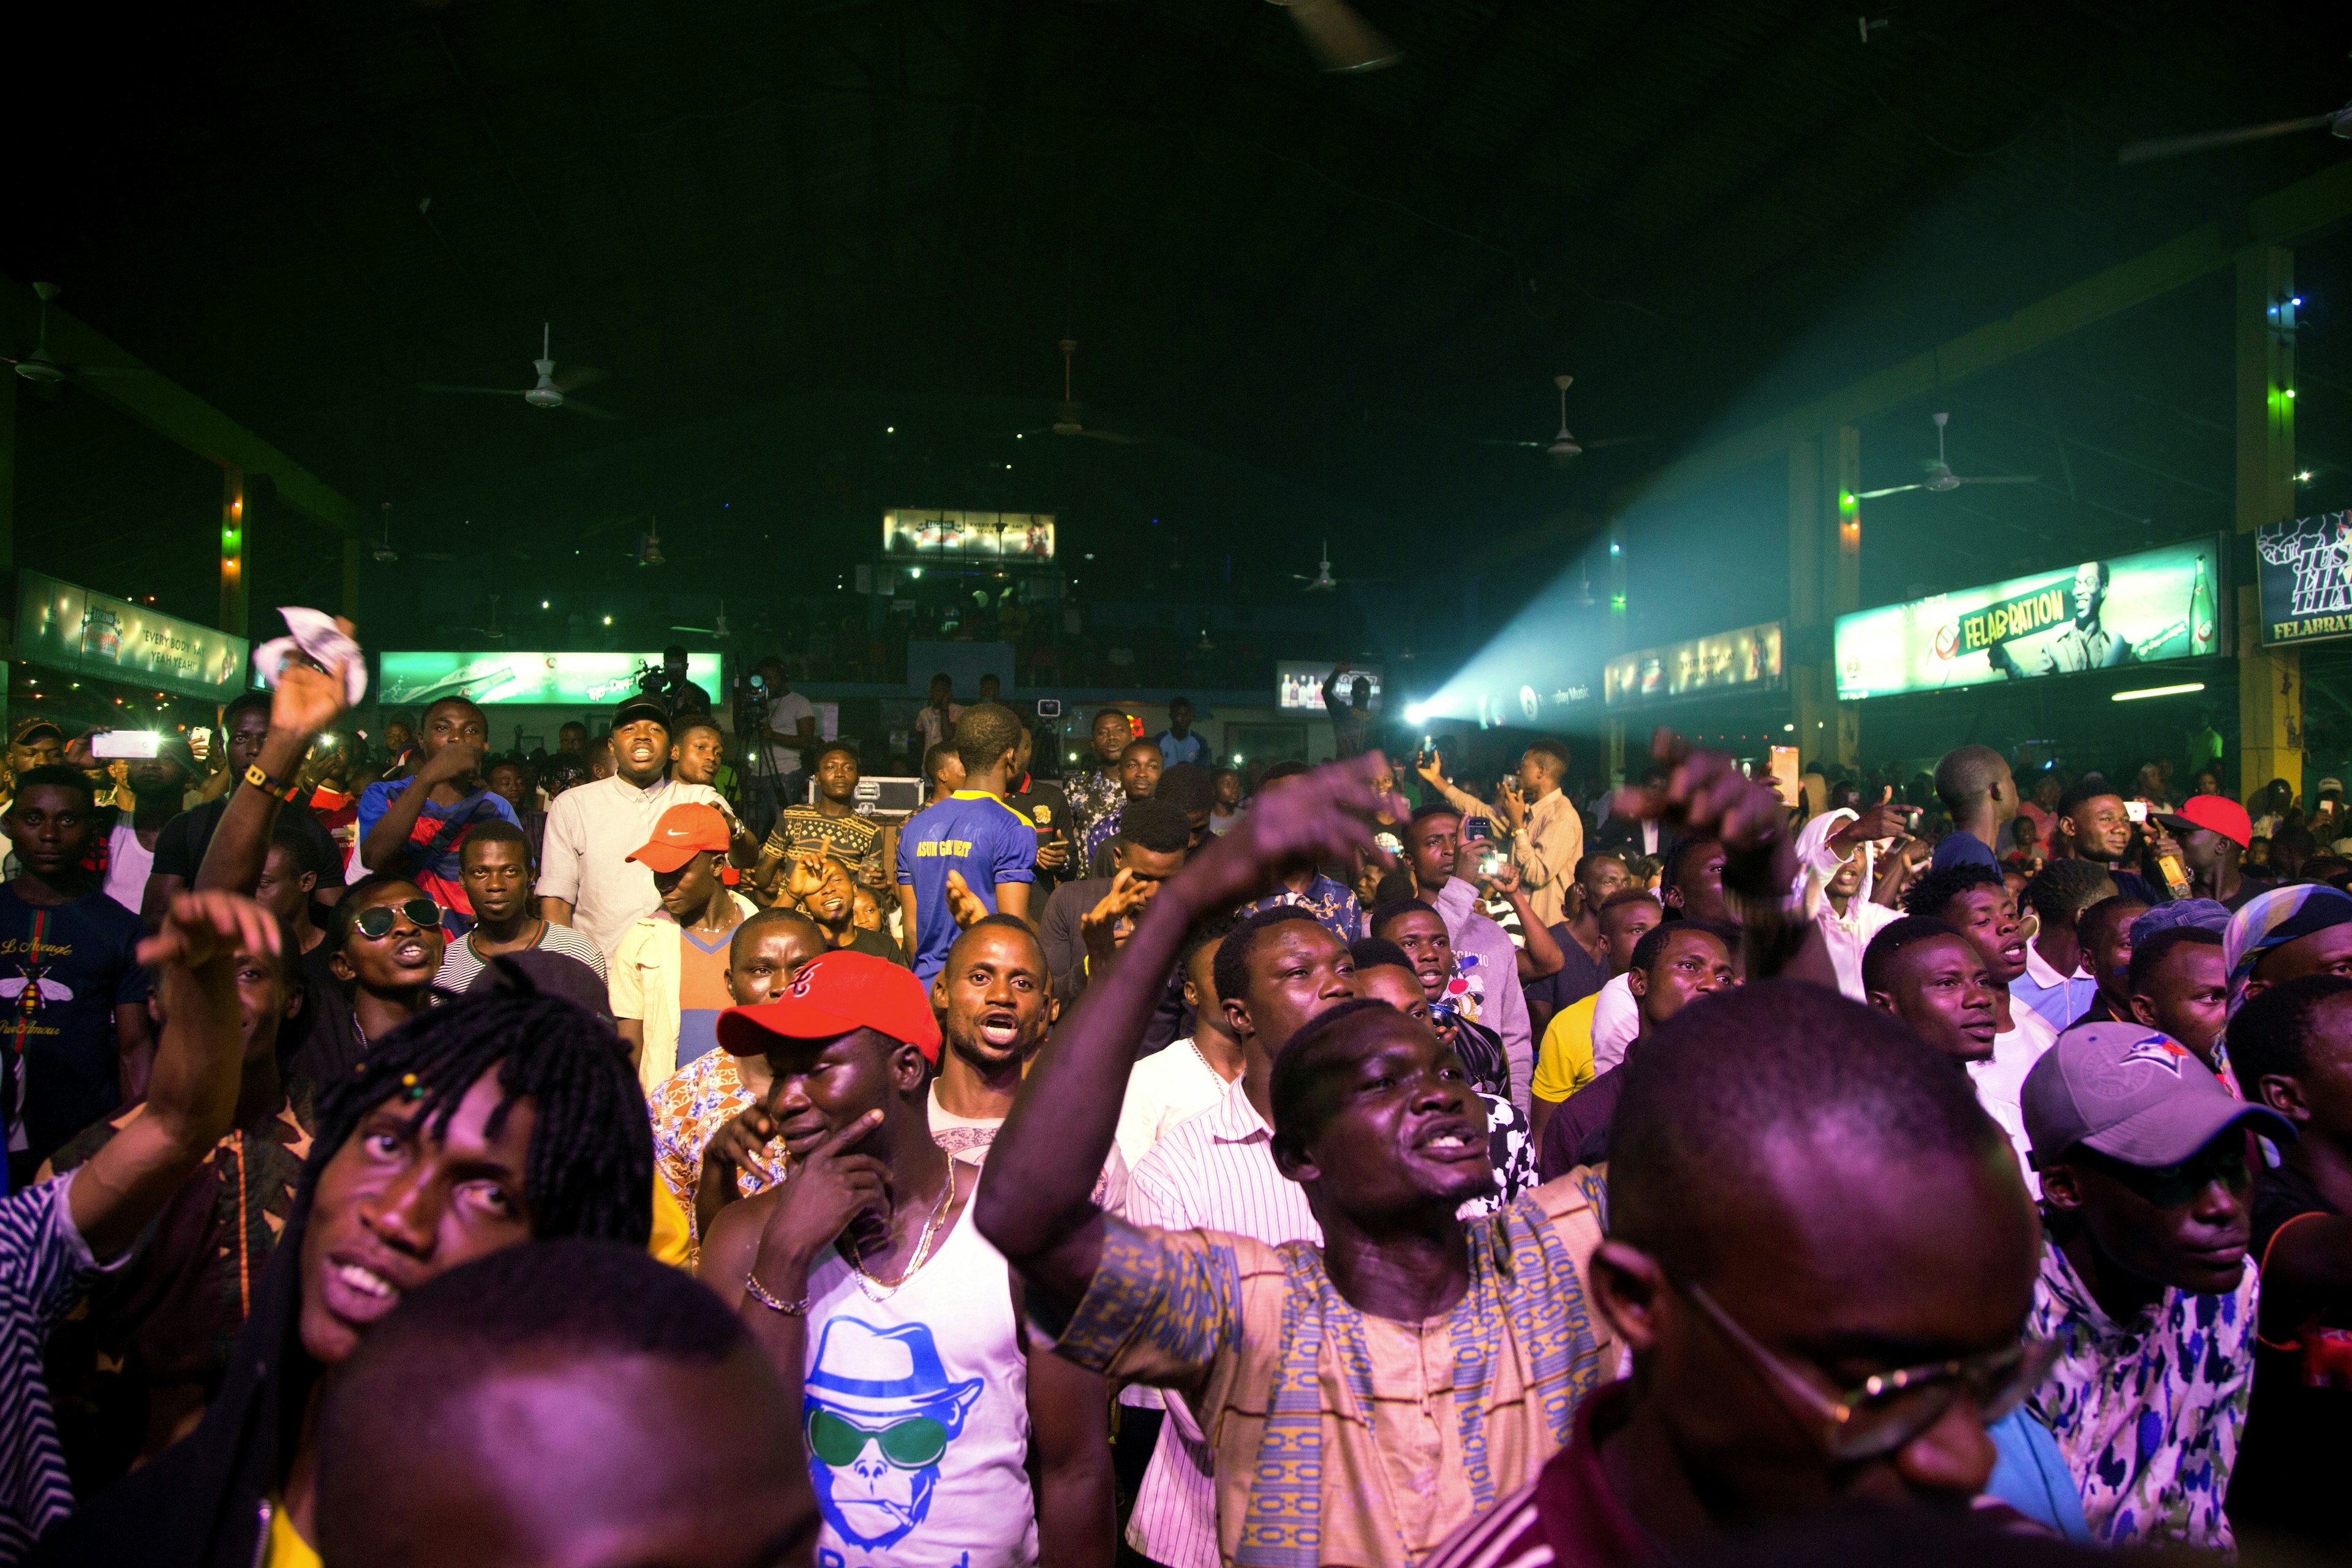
591, 832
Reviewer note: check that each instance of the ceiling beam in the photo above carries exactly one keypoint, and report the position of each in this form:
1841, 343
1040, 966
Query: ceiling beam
174, 412
2281, 218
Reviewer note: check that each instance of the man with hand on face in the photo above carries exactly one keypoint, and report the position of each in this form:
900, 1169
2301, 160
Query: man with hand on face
494, 863
1373, 1118
1673, 966
589, 880
250, 748
704, 1160
2180, 985
502, 1119
1567, 1064
865, 1278
669, 973
75, 1041
2144, 1284
1801, 1204
414, 827
550, 1406
2292, 1046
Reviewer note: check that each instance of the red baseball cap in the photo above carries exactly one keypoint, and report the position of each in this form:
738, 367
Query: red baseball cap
832, 995
2216, 813
683, 832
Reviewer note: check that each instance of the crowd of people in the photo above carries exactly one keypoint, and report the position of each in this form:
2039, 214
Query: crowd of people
645, 1153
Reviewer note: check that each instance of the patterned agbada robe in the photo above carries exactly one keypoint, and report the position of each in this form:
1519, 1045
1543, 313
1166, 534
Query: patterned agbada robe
1341, 1436
2148, 1412
1093, 795
162, 1327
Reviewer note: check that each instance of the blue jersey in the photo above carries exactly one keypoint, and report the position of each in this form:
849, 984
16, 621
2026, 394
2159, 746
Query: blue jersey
971, 832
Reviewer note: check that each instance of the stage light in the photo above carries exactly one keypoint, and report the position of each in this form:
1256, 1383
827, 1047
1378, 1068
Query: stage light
2180, 690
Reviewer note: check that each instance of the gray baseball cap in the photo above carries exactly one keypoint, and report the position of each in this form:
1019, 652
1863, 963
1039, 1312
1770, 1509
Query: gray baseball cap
2134, 1094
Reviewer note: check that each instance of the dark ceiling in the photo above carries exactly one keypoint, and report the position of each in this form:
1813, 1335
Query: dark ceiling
781, 229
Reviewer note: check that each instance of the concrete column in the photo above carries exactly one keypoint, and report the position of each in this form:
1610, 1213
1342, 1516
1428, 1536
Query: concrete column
1824, 582
233, 596
2270, 681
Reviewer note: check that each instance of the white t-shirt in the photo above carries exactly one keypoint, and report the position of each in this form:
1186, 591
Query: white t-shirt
2001, 1081
1166, 1087
784, 715
1616, 1019
128, 861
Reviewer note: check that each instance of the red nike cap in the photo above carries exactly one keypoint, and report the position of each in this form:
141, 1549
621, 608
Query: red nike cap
683, 832
832, 995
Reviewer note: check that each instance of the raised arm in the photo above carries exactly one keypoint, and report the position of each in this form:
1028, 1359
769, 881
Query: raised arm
1035, 1207
192, 1093
307, 701
385, 848
1706, 793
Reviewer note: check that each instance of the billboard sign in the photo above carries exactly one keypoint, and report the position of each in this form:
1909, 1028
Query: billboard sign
923, 533
1748, 660
1298, 684
414, 679
2094, 614
70, 627
2306, 578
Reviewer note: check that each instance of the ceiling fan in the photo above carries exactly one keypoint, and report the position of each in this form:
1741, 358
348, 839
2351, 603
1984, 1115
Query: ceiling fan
38, 366
1341, 41
1564, 448
1067, 421
1940, 476
383, 551
548, 391
2337, 121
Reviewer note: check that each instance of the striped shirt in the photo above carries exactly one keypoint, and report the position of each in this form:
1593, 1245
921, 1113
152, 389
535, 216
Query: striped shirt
1212, 1172
44, 1263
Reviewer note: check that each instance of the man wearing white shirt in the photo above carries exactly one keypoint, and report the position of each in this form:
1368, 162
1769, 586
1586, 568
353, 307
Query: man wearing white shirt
1273, 972
789, 727
586, 879
1178, 1082
2055, 984
1546, 835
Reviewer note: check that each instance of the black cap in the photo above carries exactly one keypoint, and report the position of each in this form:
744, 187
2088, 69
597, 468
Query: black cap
29, 728
641, 707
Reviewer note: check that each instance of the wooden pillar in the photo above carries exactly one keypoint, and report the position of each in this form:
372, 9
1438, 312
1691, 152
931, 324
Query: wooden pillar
2270, 681
1824, 582
233, 595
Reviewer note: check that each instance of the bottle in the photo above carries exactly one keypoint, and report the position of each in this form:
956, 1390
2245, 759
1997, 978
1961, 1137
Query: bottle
2175, 876
2200, 611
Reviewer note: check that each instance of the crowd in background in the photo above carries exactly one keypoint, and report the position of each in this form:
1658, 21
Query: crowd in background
422, 1153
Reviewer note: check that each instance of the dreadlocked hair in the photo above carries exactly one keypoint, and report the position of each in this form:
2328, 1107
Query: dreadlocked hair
590, 1168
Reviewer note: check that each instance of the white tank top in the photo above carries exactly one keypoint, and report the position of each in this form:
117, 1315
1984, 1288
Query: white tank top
916, 1415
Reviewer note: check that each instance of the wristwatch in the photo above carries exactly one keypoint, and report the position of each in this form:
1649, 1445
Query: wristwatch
267, 785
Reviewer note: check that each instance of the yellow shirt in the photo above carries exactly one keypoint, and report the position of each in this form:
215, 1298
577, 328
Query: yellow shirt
285, 1549
1564, 1060
672, 1242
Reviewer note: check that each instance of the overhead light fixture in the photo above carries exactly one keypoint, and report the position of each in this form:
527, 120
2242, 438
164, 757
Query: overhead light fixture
2180, 690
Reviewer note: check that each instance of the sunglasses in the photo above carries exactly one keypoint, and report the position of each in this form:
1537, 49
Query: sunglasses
912, 1444
1891, 1408
375, 921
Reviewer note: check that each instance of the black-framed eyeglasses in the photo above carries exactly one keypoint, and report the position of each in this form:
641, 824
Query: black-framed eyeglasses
1888, 1409
375, 921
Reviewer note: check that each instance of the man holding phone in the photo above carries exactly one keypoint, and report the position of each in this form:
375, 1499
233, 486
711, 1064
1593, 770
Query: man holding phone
414, 827
1546, 835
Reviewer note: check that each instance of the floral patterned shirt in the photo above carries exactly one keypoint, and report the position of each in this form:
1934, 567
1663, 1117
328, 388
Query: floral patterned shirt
688, 1107
1093, 795
2148, 1414
1331, 904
